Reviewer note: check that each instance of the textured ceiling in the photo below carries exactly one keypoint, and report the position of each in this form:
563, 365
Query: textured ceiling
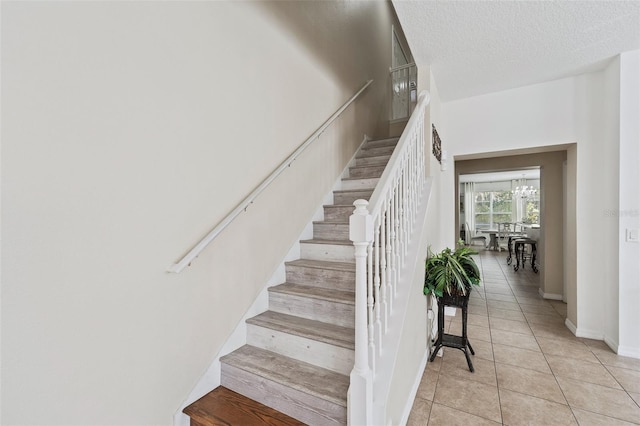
477, 47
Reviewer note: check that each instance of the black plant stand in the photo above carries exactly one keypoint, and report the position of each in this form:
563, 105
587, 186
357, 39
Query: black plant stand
450, 340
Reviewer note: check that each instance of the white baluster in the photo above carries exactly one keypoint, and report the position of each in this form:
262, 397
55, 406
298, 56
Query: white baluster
388, 254
376, 286
393, 207
360, 394
370, 307
383, 272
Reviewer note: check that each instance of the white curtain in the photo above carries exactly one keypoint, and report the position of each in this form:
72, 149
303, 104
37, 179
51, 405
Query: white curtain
469, 210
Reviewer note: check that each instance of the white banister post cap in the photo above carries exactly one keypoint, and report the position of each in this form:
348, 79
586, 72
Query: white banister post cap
361, 223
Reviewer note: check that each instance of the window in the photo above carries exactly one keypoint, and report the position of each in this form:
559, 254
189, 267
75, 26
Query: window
493, 207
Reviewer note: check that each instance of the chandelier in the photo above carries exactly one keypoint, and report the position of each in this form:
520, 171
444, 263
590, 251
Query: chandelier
524, 191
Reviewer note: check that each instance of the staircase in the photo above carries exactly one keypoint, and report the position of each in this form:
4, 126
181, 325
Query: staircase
300, 352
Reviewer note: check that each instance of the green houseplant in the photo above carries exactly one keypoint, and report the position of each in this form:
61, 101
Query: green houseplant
451, 272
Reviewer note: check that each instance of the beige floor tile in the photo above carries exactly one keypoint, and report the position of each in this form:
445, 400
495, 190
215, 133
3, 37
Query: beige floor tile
551, 319
476, 319
477, 309
558, 332
482, 349
427, 387
520, 409
469, 396
442, 415
542, 310
596, 344
454, 364
629, 379
600, 399
506, 314
607, 357
477, 302
586, 418
420, 412
495, 289
503, 305
573, 350
635, 396
509, 325
434, 366
582, 370
474, 332
533, 301
529, 382
501, 297
518, 357
514, 339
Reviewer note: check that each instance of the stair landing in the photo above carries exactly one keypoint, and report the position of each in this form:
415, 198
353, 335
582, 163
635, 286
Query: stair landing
224, 407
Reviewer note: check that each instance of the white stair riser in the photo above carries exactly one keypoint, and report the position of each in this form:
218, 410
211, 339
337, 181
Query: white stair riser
315, 309
299, 405
338, 213
337, 253
311, 351
331, 231
317, 277
369, 183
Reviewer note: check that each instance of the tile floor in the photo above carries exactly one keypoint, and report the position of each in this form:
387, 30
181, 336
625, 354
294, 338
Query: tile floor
529, 368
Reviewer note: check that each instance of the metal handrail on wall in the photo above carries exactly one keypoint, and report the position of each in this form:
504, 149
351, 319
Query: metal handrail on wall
244, 204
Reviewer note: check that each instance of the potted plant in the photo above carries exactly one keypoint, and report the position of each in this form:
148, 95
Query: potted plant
451, 273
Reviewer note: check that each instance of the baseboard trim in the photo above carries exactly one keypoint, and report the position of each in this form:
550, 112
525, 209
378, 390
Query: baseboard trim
571, 326
613, 345
628, 351
549, 296
414, 388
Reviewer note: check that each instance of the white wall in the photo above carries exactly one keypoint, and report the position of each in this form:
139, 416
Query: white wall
554, 113
629, 207
611, 157
129, 129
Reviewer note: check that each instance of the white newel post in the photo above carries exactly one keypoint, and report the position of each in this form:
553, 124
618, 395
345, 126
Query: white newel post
360, 395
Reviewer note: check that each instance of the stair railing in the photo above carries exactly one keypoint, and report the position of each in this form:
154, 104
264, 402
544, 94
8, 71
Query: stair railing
403, 90
249, 199
381, 230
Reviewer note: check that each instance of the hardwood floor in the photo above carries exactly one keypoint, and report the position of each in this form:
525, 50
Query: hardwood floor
223, 407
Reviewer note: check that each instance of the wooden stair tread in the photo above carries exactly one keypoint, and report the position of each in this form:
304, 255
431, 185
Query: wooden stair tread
323, 264
349, 191
380, 142
316, 381
223, 406
362, 178
336, 335
331, 242
321, 293
332, 222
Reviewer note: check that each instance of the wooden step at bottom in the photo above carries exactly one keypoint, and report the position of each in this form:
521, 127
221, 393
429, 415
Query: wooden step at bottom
224, 407
311, 394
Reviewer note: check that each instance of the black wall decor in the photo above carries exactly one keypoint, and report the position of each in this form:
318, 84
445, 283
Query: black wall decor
437, 145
